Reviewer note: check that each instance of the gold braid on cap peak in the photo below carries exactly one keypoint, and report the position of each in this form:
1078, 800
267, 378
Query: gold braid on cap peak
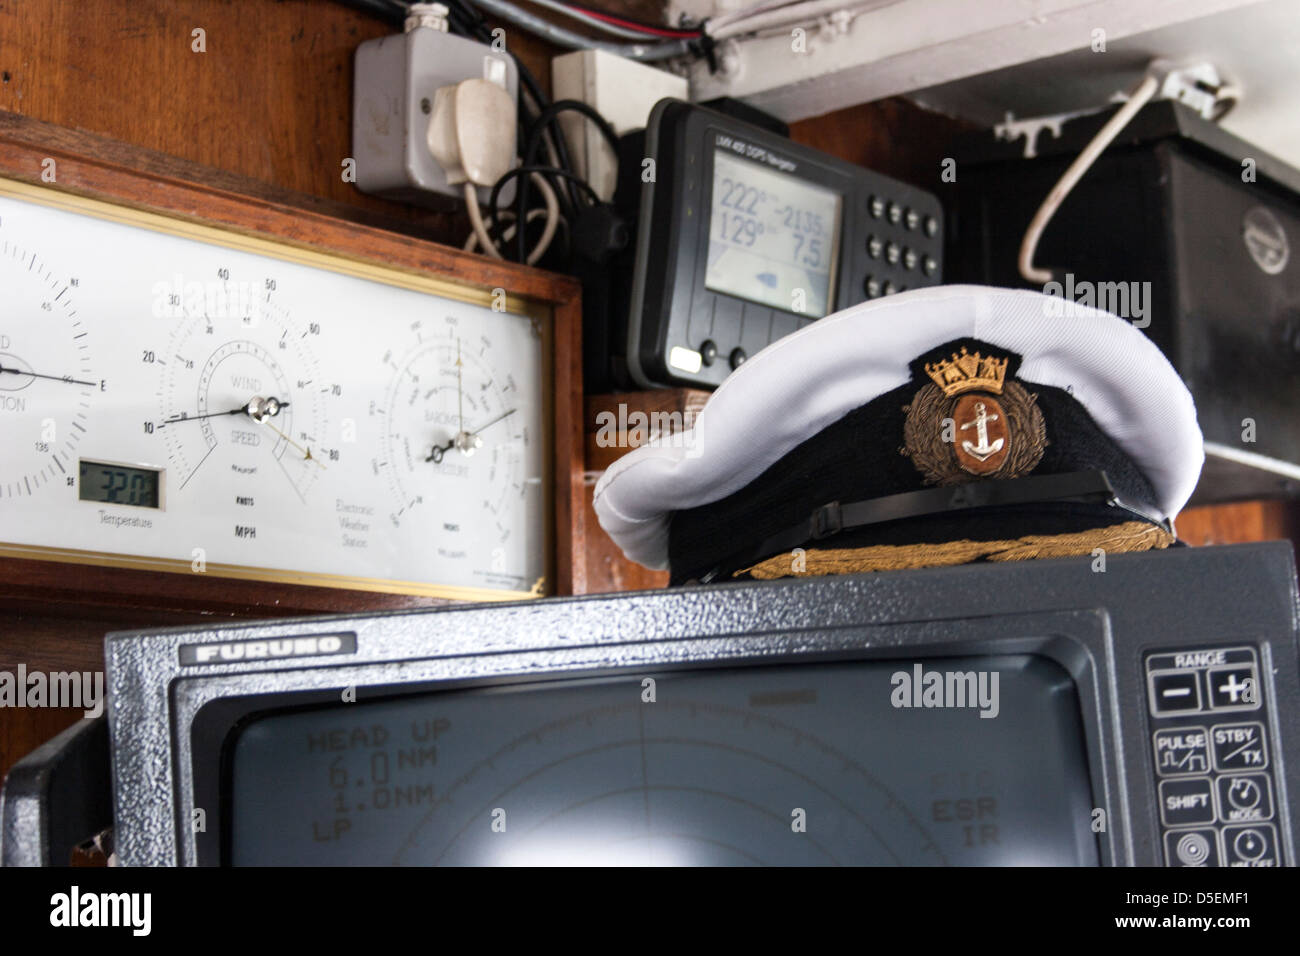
1126, 537
965, 372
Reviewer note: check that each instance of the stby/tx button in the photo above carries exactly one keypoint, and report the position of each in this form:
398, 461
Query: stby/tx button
1240, 747
1175, 692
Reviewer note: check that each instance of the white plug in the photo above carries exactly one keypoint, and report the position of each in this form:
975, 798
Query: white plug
472, 132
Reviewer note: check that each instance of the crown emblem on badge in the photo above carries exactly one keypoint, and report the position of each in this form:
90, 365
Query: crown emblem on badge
965, 372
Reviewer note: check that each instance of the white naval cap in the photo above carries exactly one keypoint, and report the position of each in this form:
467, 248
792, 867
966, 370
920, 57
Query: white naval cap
806, 381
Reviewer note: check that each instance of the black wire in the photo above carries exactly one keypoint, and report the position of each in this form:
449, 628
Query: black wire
549, 114
390, 11
545, 118
497, 227
545, 170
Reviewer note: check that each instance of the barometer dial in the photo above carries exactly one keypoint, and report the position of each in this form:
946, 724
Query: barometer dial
460, 449
47, 379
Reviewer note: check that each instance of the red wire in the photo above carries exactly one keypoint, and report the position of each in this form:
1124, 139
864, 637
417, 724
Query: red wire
634, 25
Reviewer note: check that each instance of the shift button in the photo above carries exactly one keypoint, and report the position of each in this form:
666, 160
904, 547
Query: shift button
1186, 802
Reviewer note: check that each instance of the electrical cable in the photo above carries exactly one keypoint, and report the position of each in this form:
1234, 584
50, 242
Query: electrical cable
495, 196
1141, 94
552, 220
472, 242
546, 117
550, 113
782, 15
612, 25
500, 216
476, 220
753, 9
390, 11
631, 24
557, 155
521, 170
645, 52
548, 233
789, 14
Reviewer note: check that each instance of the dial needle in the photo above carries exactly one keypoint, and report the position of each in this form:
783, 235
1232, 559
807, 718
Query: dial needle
53, 378
460, 391
241, 410
306, 452
465, 441
485, 427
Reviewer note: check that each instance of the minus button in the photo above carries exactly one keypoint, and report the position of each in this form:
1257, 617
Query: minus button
1175, 692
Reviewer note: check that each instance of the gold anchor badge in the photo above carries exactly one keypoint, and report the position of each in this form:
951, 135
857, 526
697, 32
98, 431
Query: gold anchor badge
972, 421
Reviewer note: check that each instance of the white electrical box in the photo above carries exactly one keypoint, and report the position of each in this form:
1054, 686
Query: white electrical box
622, 91
395, 84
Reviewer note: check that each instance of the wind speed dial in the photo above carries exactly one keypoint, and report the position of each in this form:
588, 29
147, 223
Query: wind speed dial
461, 453
244, 406
47, 379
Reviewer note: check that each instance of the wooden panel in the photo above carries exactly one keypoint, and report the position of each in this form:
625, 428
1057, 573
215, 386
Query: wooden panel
615, 424
1240, 522
270, 99
893, 136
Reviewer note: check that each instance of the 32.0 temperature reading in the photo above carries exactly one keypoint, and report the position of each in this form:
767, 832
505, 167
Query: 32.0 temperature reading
118, 484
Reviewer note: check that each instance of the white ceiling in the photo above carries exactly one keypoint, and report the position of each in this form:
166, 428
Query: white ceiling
1257, 47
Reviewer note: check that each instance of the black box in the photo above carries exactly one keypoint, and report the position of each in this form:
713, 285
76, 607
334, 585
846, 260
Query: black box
1209, 222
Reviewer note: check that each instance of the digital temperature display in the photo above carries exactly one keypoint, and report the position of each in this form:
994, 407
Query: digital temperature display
773, 238
119, 484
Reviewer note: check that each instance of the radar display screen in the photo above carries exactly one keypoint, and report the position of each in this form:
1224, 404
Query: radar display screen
943, 761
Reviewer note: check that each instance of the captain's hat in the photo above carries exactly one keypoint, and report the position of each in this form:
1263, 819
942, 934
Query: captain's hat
937, 426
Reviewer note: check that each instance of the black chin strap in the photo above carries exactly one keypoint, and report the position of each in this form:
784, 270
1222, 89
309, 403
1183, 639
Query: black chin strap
830, 519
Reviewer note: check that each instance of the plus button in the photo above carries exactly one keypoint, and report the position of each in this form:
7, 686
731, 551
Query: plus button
1234, 688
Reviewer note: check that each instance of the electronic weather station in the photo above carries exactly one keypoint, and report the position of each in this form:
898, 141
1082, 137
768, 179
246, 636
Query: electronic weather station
236, 424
